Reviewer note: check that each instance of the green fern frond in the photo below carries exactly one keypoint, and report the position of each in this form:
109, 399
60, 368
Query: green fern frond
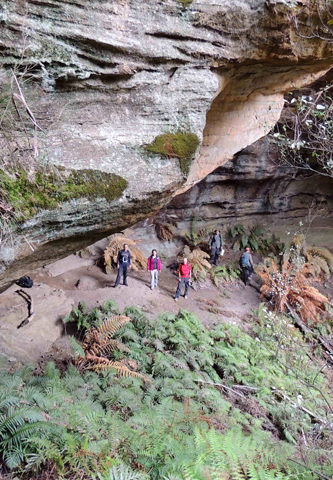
76, 347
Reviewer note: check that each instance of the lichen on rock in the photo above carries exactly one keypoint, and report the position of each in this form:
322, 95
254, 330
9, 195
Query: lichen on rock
182, 145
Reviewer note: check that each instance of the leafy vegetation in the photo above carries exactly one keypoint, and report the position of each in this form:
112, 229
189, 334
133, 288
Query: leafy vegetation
182, 145
218, 401
198, 234
46, 189
256, 238
226, 273
305, 133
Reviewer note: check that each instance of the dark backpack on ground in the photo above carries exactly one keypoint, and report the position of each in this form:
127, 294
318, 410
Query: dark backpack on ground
25, 282
244, 260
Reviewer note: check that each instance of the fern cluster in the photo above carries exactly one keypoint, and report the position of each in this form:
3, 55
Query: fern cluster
256, 238
213, 399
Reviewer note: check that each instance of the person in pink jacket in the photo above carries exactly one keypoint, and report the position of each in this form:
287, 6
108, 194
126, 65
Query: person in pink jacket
154, 266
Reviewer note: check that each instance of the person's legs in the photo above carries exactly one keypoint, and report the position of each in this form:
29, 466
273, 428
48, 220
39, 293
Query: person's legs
125, 273
156, 278
187, 284
216, 256
179, 288
151, 279
120, 269
246, 273
212, 255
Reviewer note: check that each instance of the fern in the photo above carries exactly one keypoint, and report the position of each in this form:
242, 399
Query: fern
120, 472
76, 347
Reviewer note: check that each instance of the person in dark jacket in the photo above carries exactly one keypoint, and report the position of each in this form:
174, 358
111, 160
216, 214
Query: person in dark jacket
184, 276
246, 264
123, 265
215, 244
154, 266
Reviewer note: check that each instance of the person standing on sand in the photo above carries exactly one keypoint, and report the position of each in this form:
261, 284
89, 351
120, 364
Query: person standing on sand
215, 244
246, 264
123, 265
184, 276
153, 266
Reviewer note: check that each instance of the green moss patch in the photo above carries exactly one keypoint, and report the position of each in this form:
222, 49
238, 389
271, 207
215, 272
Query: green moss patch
185, 2
48, 189
181, 144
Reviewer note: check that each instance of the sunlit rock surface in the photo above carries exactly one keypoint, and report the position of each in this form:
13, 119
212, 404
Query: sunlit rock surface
107, 77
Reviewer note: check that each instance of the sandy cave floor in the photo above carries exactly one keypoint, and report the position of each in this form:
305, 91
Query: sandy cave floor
60, 286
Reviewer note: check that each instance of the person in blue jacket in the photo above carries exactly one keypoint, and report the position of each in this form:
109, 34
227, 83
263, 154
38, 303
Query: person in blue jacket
123, 265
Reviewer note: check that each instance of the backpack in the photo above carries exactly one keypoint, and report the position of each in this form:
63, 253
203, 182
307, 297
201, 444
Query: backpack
185, 270
244, 260
25, 282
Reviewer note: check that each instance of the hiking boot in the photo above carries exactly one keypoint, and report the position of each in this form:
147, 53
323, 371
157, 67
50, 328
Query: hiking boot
176, 299
185, 297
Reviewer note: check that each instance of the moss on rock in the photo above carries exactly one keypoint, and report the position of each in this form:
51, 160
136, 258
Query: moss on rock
181, 144
50, 188
185, 2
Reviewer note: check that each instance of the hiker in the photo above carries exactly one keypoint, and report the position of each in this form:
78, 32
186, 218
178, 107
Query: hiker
215, 244
184, 276
123, 264
246, 264
153, 266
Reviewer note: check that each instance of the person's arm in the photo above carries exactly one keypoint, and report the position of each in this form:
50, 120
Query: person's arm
159, 264
190, 269
129, 259
118, 259
251, 260
179, 275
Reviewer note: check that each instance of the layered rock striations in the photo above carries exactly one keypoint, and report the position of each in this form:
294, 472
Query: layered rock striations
105, 78
253, 188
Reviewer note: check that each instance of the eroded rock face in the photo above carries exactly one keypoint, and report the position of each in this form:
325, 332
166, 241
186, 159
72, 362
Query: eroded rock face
110, 76
255, 188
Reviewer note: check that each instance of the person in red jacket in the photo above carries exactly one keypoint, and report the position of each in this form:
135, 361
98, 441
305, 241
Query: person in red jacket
154, 266
184, 276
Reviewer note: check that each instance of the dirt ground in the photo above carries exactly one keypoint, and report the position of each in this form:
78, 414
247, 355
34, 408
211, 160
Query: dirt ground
60, 286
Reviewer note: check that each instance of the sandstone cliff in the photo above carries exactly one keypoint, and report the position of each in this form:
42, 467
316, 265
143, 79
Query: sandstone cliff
108, 77
255, 188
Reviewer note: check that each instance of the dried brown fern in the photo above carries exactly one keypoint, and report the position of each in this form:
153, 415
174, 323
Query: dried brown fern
108, 348
322, 253
165, 231
316, 267
99, 348
288, 285
98, 364
198, 259
138, 260
111, 326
